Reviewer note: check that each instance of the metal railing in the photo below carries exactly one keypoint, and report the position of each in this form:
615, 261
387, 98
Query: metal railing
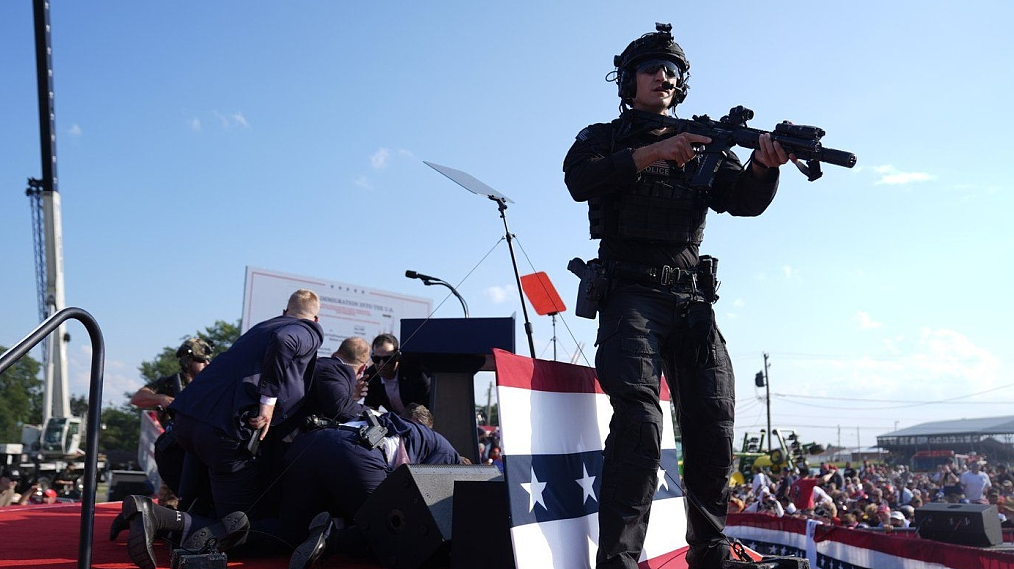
8, 358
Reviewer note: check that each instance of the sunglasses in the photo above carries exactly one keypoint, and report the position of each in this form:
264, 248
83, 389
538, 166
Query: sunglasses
384, 359
652, 66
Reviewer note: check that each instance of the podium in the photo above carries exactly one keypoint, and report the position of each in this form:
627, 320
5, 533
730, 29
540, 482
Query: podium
453, 350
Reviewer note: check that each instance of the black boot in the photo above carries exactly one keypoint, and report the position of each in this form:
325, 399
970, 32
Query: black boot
321, 528
147, 522
118, 526
219, 536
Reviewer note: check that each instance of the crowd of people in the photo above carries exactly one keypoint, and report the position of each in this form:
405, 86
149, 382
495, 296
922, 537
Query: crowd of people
874, 496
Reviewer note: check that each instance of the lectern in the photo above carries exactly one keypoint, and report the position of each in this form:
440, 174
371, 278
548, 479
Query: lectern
453, 350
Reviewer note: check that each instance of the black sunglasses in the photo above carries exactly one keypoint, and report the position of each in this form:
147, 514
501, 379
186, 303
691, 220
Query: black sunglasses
652, 66
385, 359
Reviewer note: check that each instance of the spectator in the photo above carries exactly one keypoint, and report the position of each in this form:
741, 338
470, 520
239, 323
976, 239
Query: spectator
8, 488
974, 483
495, 458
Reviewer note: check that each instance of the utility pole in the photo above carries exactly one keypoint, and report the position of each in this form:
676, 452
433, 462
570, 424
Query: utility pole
761, 380
767, 396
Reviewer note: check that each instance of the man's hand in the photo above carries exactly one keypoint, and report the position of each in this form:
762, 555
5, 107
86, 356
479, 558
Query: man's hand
360, 390
769, 154
263, 419
679, 149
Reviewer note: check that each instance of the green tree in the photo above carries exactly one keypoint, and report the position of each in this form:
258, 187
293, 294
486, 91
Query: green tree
20, 397
221, 334
120, 429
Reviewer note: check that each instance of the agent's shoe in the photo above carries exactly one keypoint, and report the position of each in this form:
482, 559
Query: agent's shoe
119, 525
321, 528
221, 535
137, 510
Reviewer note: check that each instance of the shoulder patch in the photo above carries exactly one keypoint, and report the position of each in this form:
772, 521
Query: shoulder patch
583, 135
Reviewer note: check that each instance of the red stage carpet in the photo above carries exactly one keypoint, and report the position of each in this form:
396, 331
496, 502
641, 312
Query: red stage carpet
46, 537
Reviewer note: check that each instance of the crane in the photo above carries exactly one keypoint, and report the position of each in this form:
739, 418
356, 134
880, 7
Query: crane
61, 431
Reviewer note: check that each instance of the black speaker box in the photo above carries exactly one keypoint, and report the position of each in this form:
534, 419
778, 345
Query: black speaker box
964, 524
408, 518
481, 524
126, 488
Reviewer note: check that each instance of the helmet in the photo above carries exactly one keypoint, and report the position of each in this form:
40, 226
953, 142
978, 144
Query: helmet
195, 349
657, 45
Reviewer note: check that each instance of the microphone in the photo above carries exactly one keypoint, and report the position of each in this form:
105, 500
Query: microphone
420, 276
668, 85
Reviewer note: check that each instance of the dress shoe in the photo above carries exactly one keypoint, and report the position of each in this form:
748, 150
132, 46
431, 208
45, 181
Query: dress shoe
118, 526
308, 552
137, 510
219, 536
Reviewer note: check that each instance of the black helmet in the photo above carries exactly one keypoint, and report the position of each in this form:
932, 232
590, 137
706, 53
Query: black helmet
657, 45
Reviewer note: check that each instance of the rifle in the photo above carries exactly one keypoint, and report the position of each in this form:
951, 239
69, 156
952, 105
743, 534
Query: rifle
731, 130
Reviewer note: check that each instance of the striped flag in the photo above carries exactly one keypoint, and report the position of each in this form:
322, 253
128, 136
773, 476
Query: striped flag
554, 420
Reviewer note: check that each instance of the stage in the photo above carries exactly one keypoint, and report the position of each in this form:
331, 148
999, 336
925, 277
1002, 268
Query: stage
46, 537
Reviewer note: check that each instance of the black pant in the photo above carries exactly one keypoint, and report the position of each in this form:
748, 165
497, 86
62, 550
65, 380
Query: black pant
643, 331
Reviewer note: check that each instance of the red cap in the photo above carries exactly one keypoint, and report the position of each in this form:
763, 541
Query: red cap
50, 493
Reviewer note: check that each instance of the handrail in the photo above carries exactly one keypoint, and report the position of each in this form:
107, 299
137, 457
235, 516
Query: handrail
8, 358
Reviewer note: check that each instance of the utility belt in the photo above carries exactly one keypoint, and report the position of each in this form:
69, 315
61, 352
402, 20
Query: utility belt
701, 279
370, 434
597, 277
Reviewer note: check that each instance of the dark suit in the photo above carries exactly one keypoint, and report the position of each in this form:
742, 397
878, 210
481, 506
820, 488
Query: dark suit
273, 359
334, 384
330, 469
413, 385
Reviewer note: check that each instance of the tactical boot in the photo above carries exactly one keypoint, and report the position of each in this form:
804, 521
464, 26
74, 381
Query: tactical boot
118, 526
219, 536
146, 524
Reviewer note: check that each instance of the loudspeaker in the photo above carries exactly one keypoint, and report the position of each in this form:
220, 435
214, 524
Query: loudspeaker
408, 518
482, 529
964, 524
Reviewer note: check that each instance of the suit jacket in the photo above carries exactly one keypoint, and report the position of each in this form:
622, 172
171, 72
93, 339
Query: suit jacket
413, 385
334, 383
274, 358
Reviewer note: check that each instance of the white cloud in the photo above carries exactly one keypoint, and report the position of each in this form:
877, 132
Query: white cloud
118, 377
380, 158
194, 124
787, 271
363, 182
892, 176
74, 130
239, 119
865, 321
231, 120
499, 294
739, 303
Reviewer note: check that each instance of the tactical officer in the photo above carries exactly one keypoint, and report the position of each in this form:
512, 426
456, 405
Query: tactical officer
656, 315
193, 355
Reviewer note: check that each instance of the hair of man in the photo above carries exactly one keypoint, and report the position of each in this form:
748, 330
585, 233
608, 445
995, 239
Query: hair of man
354, 351
303, 304
386, 338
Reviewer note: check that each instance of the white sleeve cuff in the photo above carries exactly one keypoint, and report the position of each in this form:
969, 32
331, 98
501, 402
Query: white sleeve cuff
265, 400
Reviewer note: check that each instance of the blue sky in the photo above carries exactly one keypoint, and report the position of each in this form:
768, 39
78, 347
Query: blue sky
196, 138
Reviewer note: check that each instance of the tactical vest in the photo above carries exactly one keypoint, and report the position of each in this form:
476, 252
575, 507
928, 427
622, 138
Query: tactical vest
660, 206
